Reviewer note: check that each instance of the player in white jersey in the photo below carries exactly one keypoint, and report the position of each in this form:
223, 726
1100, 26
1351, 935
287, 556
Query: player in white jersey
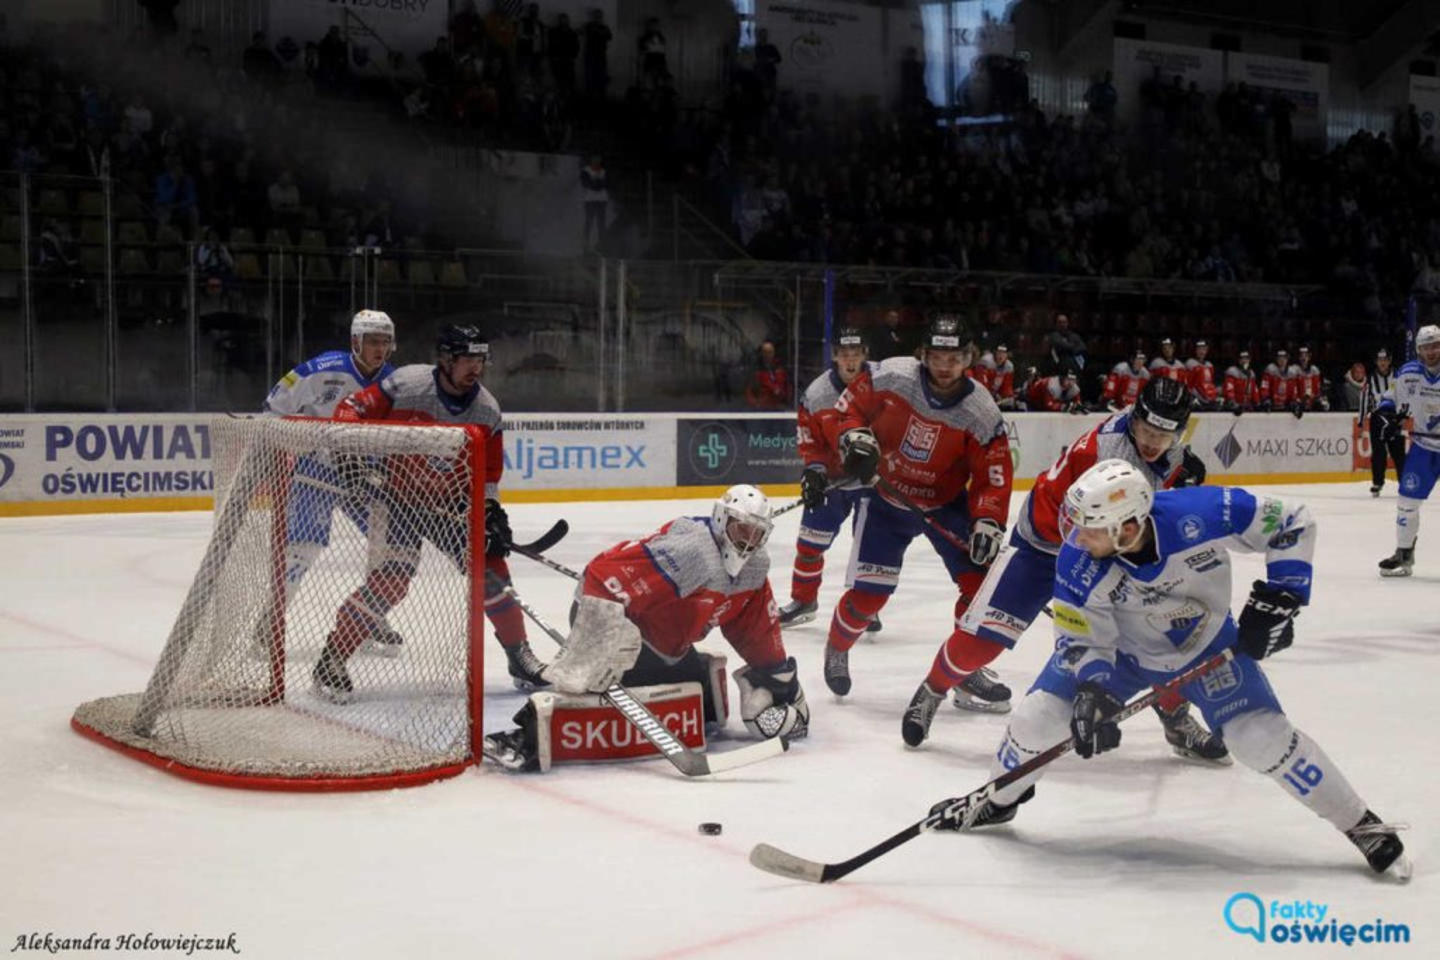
448, 391
313, 389
1142, 594
1415, 394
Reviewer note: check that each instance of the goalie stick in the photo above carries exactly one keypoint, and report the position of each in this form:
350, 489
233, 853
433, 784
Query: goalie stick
684, 759
783, 864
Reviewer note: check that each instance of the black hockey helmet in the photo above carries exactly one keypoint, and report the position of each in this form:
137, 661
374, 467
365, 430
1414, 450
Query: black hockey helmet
946, 332
848, 336
1164, 404
457, 341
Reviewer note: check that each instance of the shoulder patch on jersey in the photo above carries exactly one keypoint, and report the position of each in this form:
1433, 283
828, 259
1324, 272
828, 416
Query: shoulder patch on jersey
1192, 528
290, 379
1272, 516
1071, 619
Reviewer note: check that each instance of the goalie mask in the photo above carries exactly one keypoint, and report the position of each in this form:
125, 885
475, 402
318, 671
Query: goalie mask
740, 524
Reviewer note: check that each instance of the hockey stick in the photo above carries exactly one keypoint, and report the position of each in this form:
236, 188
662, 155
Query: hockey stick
684, 759
795, 505
777, 861
889, 490
535, 555
545, 541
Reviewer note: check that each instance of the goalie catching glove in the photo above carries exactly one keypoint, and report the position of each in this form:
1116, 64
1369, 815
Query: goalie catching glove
1267, 624
771, 701
860, 454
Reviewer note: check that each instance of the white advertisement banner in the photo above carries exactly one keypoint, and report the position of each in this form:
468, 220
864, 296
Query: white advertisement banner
104, 457
825, 46
1304, 84
563, 451
1137, 60
1425, 97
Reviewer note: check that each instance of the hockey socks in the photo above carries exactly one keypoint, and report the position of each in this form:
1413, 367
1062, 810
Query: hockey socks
961, 655
809, 567
852, 615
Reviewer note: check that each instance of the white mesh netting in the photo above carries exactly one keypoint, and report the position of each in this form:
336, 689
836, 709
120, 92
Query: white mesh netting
329, 540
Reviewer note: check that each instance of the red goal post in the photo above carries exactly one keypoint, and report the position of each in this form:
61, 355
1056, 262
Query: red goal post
305, 512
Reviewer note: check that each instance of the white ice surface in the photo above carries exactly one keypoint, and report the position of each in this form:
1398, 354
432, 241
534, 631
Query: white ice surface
1130, 854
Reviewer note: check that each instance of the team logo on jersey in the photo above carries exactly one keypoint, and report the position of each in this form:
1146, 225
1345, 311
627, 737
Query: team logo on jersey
7, 469
920, 439
1192, 528
1410, 482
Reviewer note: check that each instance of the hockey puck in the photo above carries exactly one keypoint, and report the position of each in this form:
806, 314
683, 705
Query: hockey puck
710, 829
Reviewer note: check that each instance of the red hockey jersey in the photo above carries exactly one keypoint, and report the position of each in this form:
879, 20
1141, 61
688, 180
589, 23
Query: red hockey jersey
935, 450
412, 394
1309, 386
1050, 393
1279, 386
1174, 369
1200, 378
1123, 384
675, 589
999, 379
1242, 388
816, 422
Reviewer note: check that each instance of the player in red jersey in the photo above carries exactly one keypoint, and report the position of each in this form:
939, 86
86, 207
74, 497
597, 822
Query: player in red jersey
1200, 378
996, 373
1309, 385
448, 391
1123, 383
1167, 364
932, 439
642, 605
1242, 387
1278, 383
1021, 581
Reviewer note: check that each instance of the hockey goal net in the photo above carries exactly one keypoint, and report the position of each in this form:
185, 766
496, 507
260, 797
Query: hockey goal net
320, 526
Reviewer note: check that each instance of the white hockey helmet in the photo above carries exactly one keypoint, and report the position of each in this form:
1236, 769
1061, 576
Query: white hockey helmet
1106, 496
740, 524
372, 321
1427, 336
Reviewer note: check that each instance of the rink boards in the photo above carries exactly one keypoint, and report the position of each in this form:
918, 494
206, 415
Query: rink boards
113, 463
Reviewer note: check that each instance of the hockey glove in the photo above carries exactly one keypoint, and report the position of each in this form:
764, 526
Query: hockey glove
497, 530
986, 538
771, 701
860, 453
1192, 470
1298, 409
1389, 426
1267, 624
812, 489
1090, 724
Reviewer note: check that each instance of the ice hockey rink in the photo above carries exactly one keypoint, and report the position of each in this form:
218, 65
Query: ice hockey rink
1130, 854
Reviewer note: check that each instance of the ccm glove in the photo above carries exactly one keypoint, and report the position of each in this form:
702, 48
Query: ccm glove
497, 530
860, 453
1267, 624
1192, 470
986, 538
812, 489
1390, 426
1090, 720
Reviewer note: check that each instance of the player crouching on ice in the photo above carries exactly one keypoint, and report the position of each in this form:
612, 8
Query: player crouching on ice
642, 606
1142, 593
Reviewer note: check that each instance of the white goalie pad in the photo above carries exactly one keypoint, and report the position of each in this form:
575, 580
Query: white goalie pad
602, 645
586, 728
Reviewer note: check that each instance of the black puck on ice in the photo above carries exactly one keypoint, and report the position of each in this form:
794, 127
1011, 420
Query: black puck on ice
710, 829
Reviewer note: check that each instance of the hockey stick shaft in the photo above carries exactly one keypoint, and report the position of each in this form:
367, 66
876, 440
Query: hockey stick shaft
684, 759
890, 491
797, 504
777, 861
546, 561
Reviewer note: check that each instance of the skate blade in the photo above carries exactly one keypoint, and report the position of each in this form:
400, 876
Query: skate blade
528, 686
1397, 572
1401, 870
797, 620
1190, 756
378, 649
963, 701
338, 697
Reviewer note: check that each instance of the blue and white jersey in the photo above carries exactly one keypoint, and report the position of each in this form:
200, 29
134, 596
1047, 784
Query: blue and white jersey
314, 387
1417, 391
1164, 606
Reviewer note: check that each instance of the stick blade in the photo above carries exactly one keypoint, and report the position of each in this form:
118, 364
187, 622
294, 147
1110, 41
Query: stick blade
744, 756
547, 539
782, 864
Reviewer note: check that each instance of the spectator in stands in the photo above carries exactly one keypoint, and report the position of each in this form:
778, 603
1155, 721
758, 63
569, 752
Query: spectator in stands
332, 70
175, 198
767, 61
55, 254
438, 65
92, 159
213, 259
1101, 99
1064, 345
162, 16
769, 386
1353, 386
912, 80
595, 196
142, 121
197, 48
895, 339
651, 45
259, 61
284, 199
597, 44
379, 231
250, 196
562, 46
529, 42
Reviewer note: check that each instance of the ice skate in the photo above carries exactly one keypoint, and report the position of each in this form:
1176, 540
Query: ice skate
1382, 848
837, 670
915, 726
982, 692
795, 613
1398, 564
386, 641
1189, 740
332, 680
525, 667
987, 814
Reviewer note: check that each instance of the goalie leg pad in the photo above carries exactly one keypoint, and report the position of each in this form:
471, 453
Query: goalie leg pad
707, 670
602, 645
771, 701
586, 727
1266, 740
1040, 721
